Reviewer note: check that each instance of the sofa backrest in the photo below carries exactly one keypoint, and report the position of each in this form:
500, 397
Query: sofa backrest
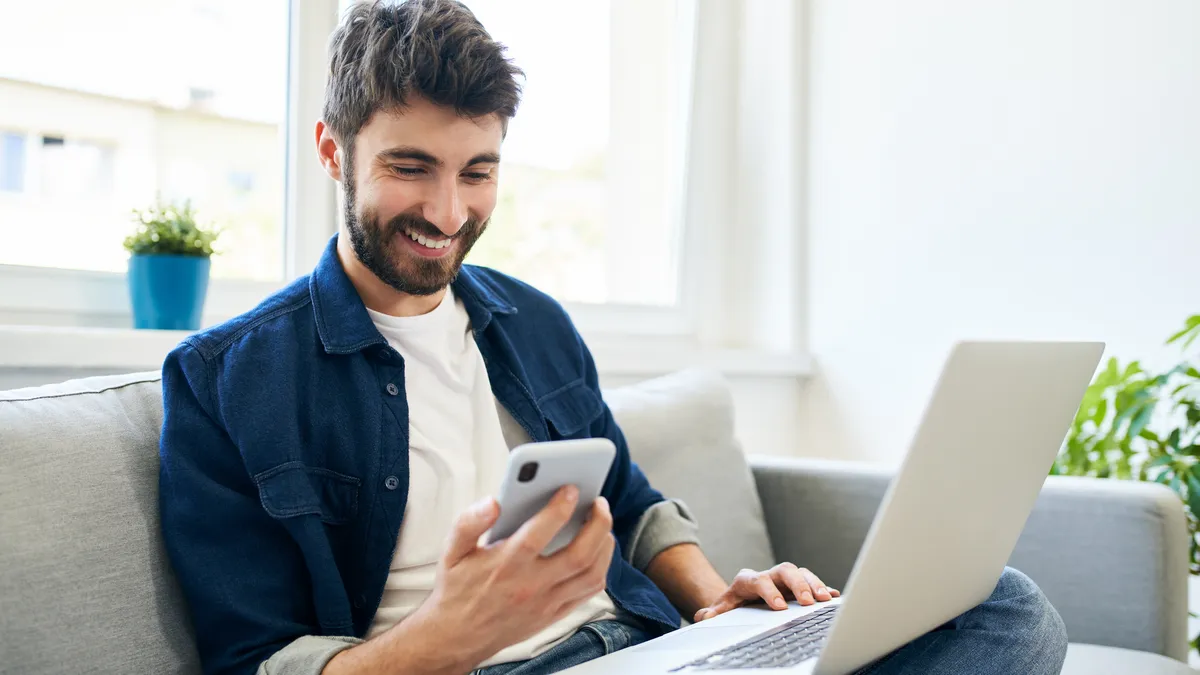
84, 577
83, 572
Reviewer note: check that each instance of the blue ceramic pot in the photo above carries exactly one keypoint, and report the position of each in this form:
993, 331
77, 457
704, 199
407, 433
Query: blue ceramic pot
167, 291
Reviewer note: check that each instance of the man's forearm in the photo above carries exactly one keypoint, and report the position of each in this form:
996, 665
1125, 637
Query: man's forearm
416, 645
687, 578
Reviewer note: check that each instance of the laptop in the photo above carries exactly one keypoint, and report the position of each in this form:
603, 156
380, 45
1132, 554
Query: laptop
940, 539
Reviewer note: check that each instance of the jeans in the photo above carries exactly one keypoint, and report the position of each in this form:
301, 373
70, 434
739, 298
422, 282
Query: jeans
591, 641
1016, 630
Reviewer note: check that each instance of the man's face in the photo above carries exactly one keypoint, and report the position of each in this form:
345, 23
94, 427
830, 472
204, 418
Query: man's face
420, 186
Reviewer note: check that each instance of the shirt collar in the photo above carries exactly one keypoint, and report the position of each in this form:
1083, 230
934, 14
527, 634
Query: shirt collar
342, 320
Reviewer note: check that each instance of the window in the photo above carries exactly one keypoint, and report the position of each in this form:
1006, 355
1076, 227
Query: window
591, 180
12, 162
590, 198
109, 106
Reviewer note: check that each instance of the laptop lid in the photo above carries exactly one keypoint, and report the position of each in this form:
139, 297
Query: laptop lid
952, 514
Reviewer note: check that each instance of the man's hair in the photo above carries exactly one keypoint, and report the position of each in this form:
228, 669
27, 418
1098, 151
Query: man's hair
385, 53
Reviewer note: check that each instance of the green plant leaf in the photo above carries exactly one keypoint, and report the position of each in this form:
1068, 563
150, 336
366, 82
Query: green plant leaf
1192, 323
1193, 494
1161, 460
1100, 413
1141, 420
1173, 439
1176, 485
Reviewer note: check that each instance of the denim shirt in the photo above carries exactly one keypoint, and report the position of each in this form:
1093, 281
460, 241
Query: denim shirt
284, 456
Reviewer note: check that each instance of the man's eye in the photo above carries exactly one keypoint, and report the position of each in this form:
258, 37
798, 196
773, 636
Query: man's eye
408, 170
477, 176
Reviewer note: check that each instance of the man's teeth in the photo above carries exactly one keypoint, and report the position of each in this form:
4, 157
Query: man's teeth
426, 241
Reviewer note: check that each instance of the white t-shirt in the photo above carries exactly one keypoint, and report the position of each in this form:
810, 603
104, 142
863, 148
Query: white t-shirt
457, 455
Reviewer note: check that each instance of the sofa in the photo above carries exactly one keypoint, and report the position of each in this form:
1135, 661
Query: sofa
85, 585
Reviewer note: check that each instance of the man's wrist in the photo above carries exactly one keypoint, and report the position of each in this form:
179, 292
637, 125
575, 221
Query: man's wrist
426, 642
436, 642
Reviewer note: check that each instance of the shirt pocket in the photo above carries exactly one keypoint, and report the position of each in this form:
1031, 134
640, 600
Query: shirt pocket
295, 489
570, 409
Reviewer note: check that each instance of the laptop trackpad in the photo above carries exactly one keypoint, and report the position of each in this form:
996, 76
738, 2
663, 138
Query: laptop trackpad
714, 637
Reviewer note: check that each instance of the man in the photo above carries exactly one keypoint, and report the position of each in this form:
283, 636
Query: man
328, 459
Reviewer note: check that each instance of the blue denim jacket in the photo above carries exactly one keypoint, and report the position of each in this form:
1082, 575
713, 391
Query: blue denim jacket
284, 456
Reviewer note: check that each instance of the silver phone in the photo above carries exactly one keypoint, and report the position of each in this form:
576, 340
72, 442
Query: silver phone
535, 473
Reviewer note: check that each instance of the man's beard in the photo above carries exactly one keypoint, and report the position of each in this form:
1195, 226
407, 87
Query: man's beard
406, 272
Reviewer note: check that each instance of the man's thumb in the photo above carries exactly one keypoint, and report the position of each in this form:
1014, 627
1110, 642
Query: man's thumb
469, 527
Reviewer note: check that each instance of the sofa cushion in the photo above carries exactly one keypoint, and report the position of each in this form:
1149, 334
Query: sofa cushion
83, 572
680, 432
1084, 659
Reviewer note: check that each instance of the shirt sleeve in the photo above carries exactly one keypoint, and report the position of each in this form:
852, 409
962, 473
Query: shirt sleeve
241, 617
306, 656
666, 524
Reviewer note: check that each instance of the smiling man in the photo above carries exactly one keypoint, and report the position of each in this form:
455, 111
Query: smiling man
329, 459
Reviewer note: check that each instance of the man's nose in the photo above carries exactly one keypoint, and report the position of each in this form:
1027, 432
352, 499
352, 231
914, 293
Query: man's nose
445, 208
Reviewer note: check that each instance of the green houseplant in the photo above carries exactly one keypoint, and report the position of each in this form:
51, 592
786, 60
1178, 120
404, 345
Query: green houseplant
1135, 424
170, 258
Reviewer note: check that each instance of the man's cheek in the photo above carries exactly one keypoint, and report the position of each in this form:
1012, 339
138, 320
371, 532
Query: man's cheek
391, 201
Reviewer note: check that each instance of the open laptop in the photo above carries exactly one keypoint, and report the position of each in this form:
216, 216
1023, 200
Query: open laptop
940, 539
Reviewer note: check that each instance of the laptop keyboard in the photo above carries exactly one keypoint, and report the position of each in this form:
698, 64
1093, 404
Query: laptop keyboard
785, 645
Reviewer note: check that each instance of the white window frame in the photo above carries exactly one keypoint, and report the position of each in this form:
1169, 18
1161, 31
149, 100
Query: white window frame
741, 279
65, 297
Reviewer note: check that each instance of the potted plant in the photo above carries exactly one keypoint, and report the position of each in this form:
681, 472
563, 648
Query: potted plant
1134, 424
168, 267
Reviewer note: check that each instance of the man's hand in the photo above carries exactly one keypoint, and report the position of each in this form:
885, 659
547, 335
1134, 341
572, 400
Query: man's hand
487, 598
775, 586
490, 597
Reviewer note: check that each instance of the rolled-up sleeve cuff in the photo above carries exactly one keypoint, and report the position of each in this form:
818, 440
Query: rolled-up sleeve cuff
306, 656
666, 524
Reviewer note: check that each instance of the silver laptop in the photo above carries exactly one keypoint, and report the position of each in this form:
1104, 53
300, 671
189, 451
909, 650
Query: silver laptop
940, 539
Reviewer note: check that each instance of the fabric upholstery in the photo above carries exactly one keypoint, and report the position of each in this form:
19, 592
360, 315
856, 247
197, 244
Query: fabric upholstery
1084, 539
86, 587
83, 575
680, 432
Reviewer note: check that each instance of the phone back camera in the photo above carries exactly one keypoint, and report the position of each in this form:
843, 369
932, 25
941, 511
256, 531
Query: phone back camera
527, 473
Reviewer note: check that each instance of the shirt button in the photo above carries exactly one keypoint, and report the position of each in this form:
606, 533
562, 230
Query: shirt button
358, 603
391, 482
392, 389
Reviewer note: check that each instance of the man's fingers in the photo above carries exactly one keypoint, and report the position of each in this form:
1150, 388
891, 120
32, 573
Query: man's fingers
820, 591
589, 546
795, 580
765, 587
591, 580
468, 528
536, 533
723, 605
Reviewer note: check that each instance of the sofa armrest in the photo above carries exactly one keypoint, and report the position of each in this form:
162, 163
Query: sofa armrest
1110, 555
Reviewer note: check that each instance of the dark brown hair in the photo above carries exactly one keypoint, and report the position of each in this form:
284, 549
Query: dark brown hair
384, 53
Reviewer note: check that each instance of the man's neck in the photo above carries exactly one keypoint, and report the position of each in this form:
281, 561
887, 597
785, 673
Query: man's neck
377, 295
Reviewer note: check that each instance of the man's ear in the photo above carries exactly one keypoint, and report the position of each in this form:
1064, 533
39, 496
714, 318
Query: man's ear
329, 152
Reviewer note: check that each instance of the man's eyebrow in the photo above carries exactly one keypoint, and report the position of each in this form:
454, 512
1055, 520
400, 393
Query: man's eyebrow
419, 155
484, 158
409, 152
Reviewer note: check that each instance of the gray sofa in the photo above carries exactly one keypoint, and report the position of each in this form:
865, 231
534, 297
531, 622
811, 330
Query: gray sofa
85, 587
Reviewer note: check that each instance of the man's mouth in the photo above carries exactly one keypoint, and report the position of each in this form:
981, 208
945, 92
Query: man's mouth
428, 242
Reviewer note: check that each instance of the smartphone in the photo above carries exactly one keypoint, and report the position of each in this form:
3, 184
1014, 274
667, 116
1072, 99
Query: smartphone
535, 473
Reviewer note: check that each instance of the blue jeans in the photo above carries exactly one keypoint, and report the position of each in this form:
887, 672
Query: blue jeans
591, 641
1016, 630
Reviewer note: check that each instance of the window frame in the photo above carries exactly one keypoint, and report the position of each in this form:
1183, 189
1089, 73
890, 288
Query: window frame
710, 317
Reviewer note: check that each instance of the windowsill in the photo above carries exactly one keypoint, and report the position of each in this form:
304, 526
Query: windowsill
38, 347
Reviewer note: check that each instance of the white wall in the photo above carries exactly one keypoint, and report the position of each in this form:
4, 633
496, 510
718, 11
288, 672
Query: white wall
1008, 168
